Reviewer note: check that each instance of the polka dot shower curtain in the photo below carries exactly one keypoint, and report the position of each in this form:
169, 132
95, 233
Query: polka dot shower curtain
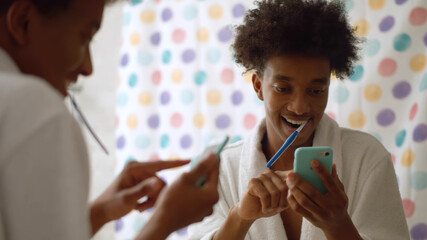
387, 93
179, 88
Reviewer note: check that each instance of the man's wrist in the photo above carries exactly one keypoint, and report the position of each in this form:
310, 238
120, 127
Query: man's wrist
157, 228
346, 230
97, 216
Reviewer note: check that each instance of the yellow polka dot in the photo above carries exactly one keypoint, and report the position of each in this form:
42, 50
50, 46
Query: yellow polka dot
215, 11
248, 76
372, 92
199, 120
132, 121
376, 4
202, 35
147, 16
145, 98
177, 76
418, 62
361, 27
408, 157
357, 119
173, 156
213, 97
135, 39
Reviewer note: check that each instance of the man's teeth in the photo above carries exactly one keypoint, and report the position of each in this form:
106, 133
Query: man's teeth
295, 122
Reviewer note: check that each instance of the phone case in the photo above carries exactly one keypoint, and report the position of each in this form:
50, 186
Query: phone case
302, 159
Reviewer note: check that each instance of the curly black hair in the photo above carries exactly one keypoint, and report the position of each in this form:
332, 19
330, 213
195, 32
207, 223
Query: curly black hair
309, 28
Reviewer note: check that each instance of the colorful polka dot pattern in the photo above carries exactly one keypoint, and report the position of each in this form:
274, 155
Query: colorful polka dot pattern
386, 93
179, 86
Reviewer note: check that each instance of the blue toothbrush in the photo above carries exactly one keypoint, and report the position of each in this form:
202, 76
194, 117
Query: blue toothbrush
285, 145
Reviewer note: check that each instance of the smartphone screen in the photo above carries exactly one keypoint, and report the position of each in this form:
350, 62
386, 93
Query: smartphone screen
302, 164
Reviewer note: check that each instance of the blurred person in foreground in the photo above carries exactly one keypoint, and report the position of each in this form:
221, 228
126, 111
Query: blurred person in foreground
44, 166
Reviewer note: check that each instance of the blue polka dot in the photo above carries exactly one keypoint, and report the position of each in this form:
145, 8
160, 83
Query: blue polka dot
200, 78
122, 99
190, 12
349, 4
166, 56
164, 141
167, 14
402, 42
357, 73
400, 138
133, 80
419, 180
423, 85
187, 97
372, 47
126, 18
135, 2
341, 94
145, 58
142, 142
214, 55
235, 139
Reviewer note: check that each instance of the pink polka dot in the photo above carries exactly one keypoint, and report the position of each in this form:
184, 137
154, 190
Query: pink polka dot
387, 67
408, 207
227, 76
249, 121
117, 121
393, 159
154, 157
418, 16
178, 36
176, 120
156, 77
413, 112
332, 115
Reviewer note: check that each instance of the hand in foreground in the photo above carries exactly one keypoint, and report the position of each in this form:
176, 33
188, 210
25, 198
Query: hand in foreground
136, 180
183, 202
266, 196
329, 211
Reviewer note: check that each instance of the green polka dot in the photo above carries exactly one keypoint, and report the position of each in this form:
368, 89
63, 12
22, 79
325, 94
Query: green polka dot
402, 42
122, 99
164, 141
133, 80
214, 55
187, 97
190, 12
400, 138
341, 94
419, 180
372, 47
166, 56
357, 73
200, 78
145, 58
236, 139
126, 18
142, 142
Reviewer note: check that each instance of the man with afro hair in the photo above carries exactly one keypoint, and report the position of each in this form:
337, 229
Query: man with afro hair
291, 48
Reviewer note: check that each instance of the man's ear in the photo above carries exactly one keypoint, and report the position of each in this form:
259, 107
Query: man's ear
18, 19
257, 84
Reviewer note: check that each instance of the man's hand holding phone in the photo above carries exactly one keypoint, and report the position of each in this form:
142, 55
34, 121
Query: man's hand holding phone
327, 211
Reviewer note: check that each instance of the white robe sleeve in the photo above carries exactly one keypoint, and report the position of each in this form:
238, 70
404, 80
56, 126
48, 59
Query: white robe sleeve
378, 211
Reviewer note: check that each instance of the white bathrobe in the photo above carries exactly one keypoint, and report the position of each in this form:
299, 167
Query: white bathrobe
363, 165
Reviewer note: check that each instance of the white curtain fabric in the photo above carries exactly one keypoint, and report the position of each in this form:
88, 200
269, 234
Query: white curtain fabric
179, 88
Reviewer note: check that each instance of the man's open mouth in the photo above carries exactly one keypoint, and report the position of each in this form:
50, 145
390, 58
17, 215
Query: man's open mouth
293, 123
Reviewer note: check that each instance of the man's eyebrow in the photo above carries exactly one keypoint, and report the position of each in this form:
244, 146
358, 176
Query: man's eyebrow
282, 77
320, 80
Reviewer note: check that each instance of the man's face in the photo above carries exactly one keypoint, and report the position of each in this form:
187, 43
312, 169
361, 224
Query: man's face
59, 46
294, 90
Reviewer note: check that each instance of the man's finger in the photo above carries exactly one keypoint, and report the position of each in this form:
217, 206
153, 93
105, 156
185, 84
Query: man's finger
203, 168
150, 187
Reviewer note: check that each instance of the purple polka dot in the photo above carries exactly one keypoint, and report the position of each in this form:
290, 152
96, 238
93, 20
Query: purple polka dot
387, 23
425, 39
119, 225
237, 98
154, 121
125, 59
223, 121
186, 141
165, 98
155, 38
401, 90
238, 10
225, 34
386, 117
420, 133
419, 231
150, 210
182, 231
188, 56
121, 142
400, 2
166, 14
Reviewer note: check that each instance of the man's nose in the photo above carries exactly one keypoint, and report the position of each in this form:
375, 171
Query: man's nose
87, 67
299, 104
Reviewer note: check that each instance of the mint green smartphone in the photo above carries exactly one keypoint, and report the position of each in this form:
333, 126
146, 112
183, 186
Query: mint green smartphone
216, 147
302, 159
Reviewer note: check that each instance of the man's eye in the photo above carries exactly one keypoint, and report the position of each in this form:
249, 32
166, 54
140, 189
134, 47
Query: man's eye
317, 91
281, 89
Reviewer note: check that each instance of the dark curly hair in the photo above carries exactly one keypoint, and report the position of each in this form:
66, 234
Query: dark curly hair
309, 28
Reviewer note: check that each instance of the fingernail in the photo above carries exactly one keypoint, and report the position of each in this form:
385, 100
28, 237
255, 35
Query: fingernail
315, 163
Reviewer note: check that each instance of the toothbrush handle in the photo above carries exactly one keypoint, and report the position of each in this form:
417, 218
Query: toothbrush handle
285, 145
